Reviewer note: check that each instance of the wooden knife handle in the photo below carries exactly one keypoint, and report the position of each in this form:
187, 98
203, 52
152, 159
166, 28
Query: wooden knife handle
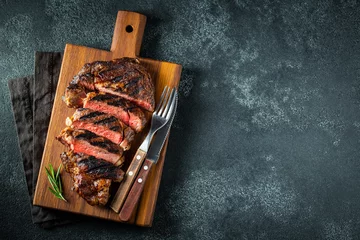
126, 184
135, 192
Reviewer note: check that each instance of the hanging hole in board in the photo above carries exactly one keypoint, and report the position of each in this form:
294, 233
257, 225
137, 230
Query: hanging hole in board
129, 28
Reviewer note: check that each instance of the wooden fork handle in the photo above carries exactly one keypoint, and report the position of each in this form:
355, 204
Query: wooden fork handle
135, 192
126, 184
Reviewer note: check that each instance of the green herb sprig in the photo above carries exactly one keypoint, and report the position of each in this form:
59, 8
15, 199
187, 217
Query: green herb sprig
55, 181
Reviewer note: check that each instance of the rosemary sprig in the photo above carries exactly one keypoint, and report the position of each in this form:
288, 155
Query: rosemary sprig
55, 181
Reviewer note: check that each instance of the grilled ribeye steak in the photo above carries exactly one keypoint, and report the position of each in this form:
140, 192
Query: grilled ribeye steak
103, 125
83, 141
94, 168
124, 110
124, 77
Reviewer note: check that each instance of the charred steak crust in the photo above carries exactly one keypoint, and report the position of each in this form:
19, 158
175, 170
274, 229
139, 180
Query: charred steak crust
124, 77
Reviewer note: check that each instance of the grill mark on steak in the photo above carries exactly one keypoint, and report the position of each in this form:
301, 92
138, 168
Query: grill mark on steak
106, 145
115, 128
118, 103
128, 76
131, 83
85, 135
136, 91
92, 163
107, 121
112, 73
101, 171
102, 97
92, 115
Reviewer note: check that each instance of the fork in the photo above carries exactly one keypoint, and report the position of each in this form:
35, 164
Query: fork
160, 117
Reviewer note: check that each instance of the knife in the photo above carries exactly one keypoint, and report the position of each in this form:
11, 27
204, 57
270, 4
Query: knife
151, 159
138, 159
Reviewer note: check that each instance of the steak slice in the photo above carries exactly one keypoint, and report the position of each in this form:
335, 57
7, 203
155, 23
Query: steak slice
103, 125
83, 141
124, 77
124, 110
91, 176
94, 168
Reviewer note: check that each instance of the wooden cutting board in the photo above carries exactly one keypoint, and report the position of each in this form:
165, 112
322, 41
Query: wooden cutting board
128, 33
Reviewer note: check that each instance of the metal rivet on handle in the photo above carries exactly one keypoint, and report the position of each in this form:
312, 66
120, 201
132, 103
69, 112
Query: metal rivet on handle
138, 157
140, 180
130, 173
146, 168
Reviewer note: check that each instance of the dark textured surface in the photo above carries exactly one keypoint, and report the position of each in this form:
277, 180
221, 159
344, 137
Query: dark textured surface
265, 144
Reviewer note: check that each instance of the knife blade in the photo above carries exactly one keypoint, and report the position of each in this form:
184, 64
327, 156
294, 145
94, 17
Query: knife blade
151, 159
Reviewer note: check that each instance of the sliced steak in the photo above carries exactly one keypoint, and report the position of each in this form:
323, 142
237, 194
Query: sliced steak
124, 77
83, 141
124, 110
103, 125
94, 168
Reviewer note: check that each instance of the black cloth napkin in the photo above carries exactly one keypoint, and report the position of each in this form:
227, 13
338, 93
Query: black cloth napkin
32, 99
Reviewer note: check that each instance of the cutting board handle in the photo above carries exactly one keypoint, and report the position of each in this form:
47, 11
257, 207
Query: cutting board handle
128, 34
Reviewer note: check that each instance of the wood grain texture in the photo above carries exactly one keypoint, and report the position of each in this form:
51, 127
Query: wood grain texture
124, 44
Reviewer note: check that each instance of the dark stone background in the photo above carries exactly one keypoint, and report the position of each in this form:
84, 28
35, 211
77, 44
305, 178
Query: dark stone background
265, 144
